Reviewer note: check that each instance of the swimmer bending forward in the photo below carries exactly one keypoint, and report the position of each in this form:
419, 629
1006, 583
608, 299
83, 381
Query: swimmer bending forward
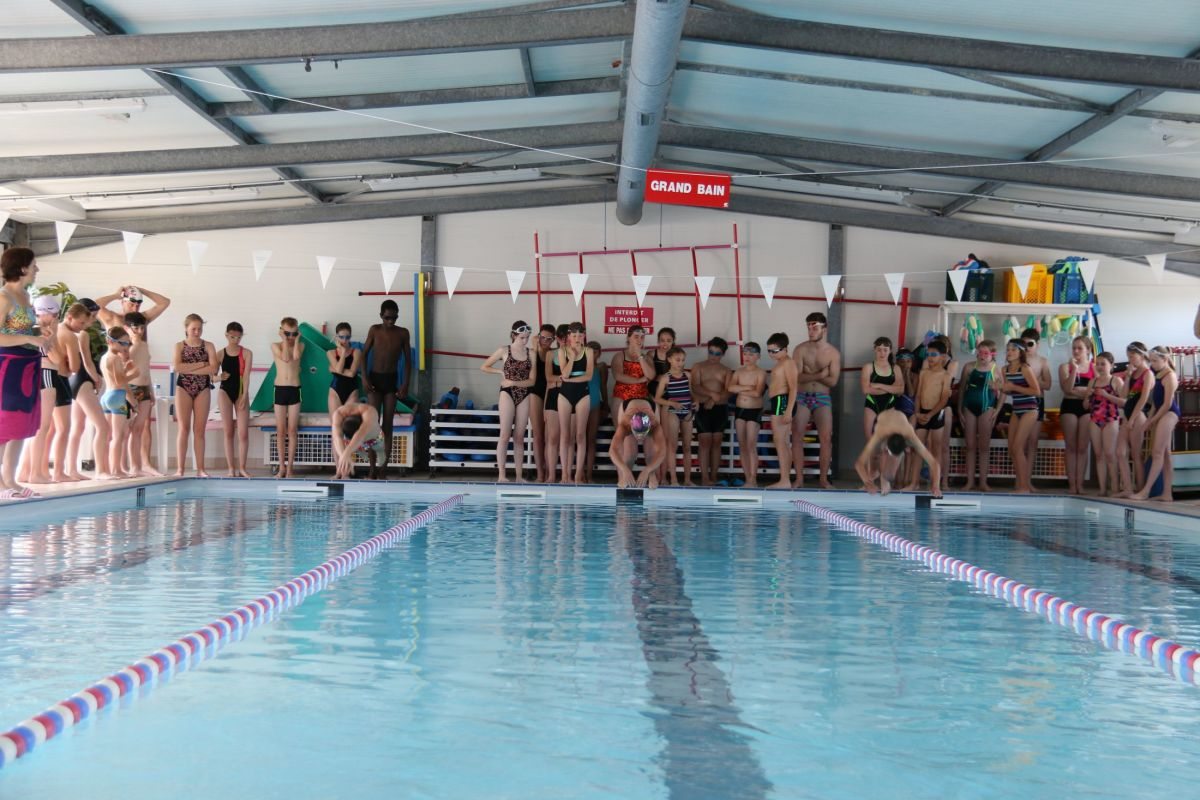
894, 434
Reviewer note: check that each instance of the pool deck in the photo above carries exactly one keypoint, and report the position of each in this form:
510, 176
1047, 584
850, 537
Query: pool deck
1188, 507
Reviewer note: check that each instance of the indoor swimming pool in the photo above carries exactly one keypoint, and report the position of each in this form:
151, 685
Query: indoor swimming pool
576, 647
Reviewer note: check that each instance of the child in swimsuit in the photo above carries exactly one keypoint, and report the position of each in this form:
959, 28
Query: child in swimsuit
674, 393
1021, 384
781, 405
748, 383
1104, 397
516, 384
195, 364
1074, 377
356, 430
234, 399
977, 406
141, 395
933, 395
288, 352
574, 401
118, 370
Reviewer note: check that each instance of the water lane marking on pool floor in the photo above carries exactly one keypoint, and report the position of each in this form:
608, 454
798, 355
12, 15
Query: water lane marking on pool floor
205, 642
1171, 657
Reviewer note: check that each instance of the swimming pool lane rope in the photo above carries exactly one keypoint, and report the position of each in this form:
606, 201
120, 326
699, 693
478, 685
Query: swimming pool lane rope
206, 641
1171, 657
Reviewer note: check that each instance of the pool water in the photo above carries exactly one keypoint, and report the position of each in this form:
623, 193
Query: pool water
596, 651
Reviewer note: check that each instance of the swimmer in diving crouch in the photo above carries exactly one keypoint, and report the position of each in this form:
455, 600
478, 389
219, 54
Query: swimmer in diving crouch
893, 435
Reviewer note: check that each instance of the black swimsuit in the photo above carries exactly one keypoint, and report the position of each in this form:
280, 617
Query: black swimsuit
574, 392
231, 366
344, 385
881, 402
78, 379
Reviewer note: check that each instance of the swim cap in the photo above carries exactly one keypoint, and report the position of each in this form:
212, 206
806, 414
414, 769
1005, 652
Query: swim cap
91, 305
639, 423
46, 304
132, 294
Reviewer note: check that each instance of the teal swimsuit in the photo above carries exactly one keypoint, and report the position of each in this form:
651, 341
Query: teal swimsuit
979, 396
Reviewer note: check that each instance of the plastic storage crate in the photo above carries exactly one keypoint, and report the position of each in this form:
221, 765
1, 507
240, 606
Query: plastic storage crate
1039, 290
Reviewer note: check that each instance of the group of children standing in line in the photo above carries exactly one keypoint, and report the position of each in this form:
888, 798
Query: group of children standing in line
560, 386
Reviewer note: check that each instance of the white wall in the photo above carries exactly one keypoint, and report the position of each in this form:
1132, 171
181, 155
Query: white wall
486, 244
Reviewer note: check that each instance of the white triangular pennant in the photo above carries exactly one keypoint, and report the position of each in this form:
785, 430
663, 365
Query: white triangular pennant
768, 283
641, 285
196, 251
578, 281
132, 240
4, 215
1087, 269
895, 282
389, 270
1158, 263
261, 257
830, 283
958, 279
452, 275
704, 284
63, 231
515, 278
325, 267
1021, 275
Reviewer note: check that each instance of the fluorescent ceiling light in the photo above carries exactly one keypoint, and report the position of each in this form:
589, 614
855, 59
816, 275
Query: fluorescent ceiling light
824, 189
181, 198
440, 179
1102, 219
129, 105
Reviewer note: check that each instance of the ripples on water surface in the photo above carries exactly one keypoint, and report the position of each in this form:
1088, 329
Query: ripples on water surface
587, 651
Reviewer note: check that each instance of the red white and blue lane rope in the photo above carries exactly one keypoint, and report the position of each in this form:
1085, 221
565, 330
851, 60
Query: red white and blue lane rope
204, 642
1171, 657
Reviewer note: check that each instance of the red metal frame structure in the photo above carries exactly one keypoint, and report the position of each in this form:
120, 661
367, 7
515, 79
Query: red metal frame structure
905, 304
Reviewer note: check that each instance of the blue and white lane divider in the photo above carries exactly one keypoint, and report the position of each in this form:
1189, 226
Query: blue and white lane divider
1171, 657
204, 642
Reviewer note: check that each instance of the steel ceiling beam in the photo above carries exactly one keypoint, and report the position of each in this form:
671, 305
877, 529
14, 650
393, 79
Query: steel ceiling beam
317, 42
44, 242
105, 30
1016, 86
954, 52
1127, 105
502, 31
428, 97
337, 151
958, 164
554, 137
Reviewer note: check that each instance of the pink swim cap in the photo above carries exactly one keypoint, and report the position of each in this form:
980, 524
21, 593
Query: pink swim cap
639, 423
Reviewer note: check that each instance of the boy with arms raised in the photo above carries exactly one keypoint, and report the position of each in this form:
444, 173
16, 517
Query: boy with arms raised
287, 353
781, 405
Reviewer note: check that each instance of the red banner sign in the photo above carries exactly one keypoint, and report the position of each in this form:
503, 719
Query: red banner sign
618, 319
687, 188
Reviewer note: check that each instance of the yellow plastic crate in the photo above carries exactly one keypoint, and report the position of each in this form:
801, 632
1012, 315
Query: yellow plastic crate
1039, 290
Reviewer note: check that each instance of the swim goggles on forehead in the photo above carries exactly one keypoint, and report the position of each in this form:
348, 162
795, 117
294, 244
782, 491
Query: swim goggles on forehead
522, 329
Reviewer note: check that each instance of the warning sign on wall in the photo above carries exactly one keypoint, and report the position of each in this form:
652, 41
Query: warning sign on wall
617, 319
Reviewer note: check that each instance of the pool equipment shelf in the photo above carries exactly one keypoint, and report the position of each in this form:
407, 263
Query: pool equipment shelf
466, 439
314, 446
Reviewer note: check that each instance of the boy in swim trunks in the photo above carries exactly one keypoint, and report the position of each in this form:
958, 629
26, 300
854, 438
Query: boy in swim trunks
712, 418
356, 430
820, 366
141, 393
287, 352
893, 435
781, 406
117, 370
933, 393
748, 382
637, 419
1041, 368
387, 344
